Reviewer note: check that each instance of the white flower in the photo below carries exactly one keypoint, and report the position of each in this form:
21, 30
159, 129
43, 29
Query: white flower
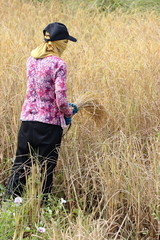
50, 211
27, 229
18, 201
63, 200
41, 229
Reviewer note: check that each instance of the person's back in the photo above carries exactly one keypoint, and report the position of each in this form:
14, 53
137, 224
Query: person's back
46, 90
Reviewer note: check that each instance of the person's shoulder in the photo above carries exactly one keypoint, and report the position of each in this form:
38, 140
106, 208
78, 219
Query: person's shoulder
30, 59
59, 60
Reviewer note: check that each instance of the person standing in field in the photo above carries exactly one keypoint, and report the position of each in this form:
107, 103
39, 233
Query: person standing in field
45, 111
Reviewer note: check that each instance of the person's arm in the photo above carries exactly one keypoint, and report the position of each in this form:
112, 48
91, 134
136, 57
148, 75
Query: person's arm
60, 91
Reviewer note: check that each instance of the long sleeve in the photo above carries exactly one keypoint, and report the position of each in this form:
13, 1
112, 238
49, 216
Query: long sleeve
46, 99
60, 91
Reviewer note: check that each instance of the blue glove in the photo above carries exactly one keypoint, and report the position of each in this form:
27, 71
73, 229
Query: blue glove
75, 108
68, 120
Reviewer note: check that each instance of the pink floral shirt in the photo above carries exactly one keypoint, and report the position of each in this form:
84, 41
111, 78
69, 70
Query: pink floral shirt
46, 99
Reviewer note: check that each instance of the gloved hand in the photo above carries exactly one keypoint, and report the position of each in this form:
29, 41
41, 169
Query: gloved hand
68, 120
75, 108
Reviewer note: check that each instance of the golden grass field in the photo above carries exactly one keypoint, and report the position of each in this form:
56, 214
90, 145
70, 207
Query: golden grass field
109, 172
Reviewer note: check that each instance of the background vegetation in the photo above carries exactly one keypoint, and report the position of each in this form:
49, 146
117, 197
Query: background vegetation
109, 173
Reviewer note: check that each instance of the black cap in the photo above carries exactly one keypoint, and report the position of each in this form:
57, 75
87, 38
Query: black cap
58, 31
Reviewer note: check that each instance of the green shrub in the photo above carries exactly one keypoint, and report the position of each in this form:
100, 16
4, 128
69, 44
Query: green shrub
111, 5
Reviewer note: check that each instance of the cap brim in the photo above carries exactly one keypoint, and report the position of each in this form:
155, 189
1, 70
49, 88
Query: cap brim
72, 39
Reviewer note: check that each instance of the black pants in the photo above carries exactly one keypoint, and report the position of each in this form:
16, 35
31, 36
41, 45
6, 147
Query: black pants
35, 138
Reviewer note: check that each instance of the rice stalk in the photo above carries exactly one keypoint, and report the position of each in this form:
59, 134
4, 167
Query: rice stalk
110, 172
90, 103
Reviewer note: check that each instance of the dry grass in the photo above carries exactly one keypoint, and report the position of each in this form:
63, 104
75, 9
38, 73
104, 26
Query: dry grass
90, 103
111, 173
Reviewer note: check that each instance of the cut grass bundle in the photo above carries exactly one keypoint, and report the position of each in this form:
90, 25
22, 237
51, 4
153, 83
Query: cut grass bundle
91, 105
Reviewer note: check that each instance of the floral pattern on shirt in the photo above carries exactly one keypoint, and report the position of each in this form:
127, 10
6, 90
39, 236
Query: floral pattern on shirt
46, 99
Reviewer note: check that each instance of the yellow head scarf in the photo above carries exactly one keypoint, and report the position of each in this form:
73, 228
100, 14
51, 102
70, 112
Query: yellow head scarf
51, 48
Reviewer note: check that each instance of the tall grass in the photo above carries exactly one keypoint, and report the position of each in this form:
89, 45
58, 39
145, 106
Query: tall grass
108, 6
109, 174
127, 5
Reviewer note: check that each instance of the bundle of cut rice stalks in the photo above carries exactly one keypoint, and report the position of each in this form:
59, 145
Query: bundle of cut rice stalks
90, 104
